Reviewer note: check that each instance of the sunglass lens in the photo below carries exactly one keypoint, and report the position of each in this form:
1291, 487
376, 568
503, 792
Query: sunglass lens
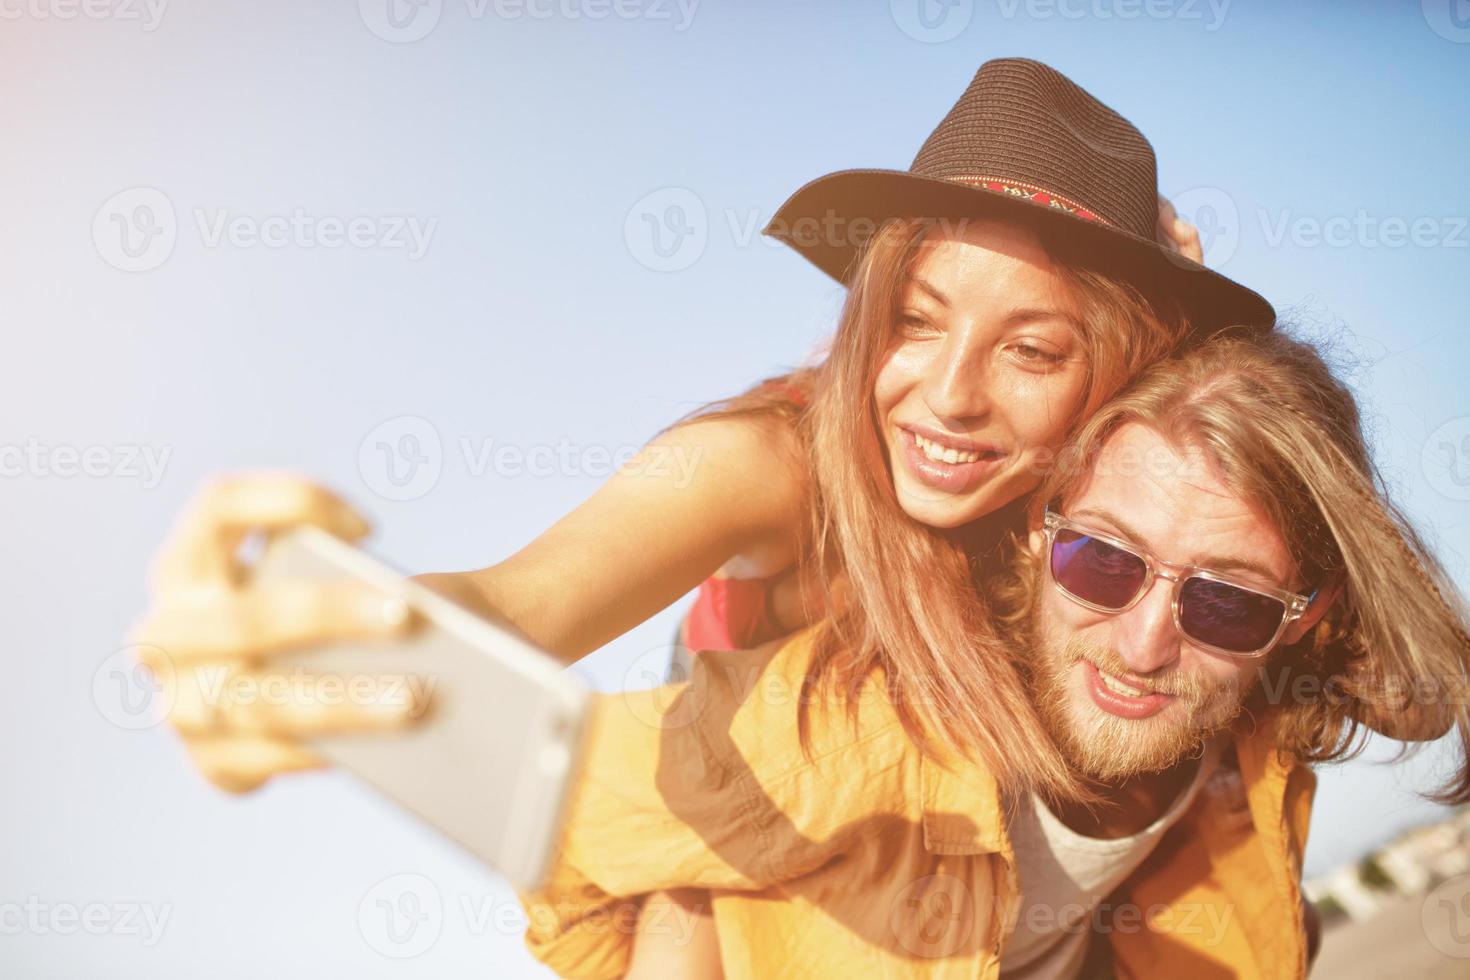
1095, 571
1227, 616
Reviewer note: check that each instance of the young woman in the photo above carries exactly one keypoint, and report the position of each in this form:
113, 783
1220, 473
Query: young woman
999, 291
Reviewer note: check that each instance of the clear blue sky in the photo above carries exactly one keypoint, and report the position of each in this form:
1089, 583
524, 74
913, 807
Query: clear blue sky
521, 147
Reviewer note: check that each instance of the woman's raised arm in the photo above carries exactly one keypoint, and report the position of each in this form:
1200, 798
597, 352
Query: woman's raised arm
700, 495
703, 495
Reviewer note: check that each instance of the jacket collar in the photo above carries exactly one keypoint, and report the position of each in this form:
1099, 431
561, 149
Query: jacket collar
961, 808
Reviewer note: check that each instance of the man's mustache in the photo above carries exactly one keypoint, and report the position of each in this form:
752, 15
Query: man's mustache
1195, 687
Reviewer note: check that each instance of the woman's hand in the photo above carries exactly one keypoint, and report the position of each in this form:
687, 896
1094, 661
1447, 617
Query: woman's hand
209, 633
1177, 234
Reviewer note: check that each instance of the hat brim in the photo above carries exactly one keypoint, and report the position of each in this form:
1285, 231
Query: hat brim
827, 219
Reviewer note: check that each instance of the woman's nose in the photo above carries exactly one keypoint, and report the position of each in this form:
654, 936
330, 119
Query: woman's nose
957, 381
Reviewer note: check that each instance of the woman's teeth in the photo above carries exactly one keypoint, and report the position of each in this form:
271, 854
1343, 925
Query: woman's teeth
942, 454
1118, 687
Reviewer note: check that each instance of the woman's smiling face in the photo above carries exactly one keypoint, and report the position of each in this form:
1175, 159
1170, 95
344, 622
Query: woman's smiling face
983, 376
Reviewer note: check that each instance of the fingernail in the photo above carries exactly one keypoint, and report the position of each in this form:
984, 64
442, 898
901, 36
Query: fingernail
395, 611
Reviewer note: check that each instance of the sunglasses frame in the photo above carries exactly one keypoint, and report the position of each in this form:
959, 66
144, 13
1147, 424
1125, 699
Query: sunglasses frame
1293, 604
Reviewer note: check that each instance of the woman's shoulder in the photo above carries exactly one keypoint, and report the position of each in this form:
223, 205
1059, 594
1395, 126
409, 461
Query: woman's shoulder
748, 452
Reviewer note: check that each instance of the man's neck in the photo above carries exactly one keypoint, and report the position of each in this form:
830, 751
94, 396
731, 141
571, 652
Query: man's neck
1128, 805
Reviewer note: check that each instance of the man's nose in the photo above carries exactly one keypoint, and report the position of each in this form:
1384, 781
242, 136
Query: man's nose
1145, 636
956, 382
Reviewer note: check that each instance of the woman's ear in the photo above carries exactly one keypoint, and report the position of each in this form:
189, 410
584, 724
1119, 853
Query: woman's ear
1322, 601
1035, 539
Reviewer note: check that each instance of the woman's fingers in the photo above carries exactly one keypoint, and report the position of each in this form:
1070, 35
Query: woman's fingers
241, 763
214, 701
202, 548
209, 625
1187, 237
224, 623
1178, 234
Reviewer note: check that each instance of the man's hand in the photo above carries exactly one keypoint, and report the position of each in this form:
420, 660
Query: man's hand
209, 632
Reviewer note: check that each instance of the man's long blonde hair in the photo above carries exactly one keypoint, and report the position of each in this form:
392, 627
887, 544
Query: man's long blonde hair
900, 596
1286, 436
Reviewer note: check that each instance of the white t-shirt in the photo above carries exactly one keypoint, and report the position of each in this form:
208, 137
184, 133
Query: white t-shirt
1064, 875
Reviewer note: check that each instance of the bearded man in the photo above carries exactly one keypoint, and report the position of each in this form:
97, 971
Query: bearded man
1213, 593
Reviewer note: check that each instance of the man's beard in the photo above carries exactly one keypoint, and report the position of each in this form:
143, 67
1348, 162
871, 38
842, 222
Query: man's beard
1103, 745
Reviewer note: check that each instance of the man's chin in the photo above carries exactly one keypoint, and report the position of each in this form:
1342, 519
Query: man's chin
1108, 748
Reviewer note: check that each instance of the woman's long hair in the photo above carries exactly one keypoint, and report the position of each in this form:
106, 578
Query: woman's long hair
899, 597
1287, 437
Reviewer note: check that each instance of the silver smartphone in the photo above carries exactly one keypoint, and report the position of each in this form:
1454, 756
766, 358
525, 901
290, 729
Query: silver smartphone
492, 760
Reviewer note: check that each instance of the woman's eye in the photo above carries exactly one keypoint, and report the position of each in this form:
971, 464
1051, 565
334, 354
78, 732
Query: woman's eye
1031, 354
913, 325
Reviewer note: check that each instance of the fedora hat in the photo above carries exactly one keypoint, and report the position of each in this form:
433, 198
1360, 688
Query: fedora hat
1026, 143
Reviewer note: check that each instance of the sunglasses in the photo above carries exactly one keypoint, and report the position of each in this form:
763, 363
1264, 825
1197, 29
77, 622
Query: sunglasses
1110, 576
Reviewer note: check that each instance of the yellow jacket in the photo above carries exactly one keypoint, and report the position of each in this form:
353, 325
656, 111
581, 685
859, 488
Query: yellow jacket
871, 859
